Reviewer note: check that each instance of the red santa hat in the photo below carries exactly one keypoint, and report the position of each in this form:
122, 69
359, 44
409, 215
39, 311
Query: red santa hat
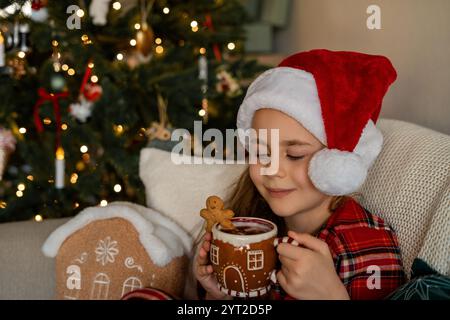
335, 95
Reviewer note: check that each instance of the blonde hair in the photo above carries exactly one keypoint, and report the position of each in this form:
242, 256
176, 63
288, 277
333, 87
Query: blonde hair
245, 200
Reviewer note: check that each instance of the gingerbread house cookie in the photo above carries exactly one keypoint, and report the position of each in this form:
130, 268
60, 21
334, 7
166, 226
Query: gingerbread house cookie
107, 252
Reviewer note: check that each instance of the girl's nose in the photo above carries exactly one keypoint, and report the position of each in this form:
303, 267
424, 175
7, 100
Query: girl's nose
279, 169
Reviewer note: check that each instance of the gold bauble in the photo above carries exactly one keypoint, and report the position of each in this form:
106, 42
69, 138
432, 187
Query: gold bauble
144, 40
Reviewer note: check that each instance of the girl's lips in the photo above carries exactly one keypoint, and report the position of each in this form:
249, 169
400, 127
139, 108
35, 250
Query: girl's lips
279, 193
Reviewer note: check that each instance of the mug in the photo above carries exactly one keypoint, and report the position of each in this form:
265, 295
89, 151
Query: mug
244, 260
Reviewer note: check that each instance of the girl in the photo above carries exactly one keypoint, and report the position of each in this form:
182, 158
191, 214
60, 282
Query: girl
325, 105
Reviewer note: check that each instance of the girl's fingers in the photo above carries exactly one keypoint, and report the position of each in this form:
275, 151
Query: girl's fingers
208, 236
202, 257
206, 245
205, 270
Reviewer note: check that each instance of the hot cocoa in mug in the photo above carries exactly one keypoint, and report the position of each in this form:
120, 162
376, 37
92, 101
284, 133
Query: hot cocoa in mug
244, 258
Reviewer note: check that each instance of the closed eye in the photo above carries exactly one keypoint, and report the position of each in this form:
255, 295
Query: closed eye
295, 157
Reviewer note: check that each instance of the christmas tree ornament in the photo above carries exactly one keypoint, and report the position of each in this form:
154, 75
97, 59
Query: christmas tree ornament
59, 168
44, 96
24, 30
57, 82
15, 35
38, 4
227, 84
144, 40
158, 130
98, 11
7, 146
91, 91
209, 24
81, 110
145, 35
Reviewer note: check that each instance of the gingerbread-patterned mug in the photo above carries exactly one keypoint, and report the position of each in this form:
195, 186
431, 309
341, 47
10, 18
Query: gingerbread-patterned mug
244, 259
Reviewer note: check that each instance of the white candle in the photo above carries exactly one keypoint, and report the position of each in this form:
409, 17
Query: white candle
2, 50
60, 167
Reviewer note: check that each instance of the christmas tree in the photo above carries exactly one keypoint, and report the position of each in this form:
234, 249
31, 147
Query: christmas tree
85, 85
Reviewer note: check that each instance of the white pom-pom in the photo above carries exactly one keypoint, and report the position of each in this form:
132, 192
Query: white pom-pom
336, 172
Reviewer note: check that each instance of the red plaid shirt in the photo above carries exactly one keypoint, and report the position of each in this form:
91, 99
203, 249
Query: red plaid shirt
362, 246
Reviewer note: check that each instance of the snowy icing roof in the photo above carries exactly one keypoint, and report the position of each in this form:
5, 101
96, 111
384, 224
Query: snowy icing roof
162, 238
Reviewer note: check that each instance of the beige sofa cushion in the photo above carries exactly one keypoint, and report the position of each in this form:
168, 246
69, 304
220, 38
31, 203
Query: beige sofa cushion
25, 272
409, 186
180, 191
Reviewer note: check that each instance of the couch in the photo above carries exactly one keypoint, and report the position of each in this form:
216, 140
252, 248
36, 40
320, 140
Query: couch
409, 186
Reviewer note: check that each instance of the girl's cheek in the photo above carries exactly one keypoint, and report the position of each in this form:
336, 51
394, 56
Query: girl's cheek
300, 175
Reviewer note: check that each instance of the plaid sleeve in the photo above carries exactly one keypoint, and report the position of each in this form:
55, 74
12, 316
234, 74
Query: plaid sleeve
368, 261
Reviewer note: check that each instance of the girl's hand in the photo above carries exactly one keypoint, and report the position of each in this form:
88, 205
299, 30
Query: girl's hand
204, 271
308, 272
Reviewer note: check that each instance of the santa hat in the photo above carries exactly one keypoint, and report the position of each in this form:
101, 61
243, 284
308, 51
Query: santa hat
335, 95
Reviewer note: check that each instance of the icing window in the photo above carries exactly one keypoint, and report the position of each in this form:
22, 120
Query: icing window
255, 259
214, 254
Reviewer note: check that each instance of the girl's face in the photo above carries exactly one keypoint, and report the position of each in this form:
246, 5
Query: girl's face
289, 190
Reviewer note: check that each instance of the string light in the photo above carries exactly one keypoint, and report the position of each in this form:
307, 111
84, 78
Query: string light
119, 56
3, 204
231, 46
91, 65
76, 205
84, 38
194, 24
117, 188
38, 218
166, 10
133, 42
64, 126
71, 72
94, 79
137, 26
159, 49
103, 203
21, 54
83, 149
117, 5
65, 67
55, 43
21, 187
30, 177
47, 121
19, 194
201, 112
118, 129
80, 13
195, 29
158, 41
73, 178
202, 50
23, 130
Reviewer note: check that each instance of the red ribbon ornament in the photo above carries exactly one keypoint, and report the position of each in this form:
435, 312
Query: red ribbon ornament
91, 95
44, 96
216, 49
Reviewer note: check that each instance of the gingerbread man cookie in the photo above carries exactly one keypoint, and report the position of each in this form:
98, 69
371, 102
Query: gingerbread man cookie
214, 212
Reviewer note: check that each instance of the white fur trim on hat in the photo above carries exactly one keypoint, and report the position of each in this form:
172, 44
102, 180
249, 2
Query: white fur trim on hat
292, 91
336, 172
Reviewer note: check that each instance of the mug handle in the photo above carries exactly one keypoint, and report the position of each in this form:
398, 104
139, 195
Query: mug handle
276, 242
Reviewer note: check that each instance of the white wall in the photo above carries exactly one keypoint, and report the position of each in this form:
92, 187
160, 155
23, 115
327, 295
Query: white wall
415, 35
